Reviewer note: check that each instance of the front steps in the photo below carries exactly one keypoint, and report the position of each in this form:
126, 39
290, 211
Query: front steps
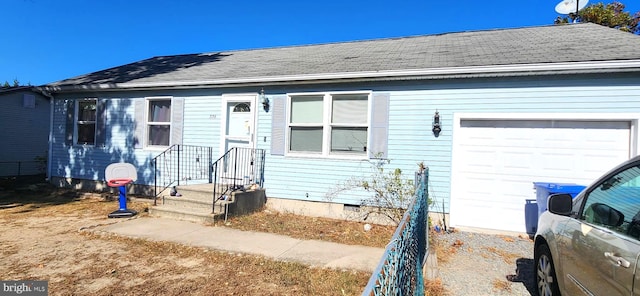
195, 204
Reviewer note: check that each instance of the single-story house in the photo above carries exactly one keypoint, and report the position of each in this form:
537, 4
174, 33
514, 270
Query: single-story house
25, 119
558, 103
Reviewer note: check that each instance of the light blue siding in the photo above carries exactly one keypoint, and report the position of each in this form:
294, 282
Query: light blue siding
412, 108
202, 121
201, 127
88, 162
410, 140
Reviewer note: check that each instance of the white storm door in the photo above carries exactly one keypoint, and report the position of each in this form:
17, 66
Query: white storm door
239, 123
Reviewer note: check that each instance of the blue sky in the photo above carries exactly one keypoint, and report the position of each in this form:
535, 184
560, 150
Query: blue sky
49, 40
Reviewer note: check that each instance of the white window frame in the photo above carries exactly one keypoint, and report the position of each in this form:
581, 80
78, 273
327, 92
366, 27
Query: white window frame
148, 123
77, 122
327, 126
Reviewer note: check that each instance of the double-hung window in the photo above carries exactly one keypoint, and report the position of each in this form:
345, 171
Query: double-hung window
85, 127
329, 124
159, 122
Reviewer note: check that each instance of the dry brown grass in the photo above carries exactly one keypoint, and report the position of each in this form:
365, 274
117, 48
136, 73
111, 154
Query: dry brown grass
313, 228
501, 285
40, 240
81, 262
220, 273
434, 288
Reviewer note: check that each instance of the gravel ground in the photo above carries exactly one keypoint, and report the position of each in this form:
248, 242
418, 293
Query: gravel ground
486, 264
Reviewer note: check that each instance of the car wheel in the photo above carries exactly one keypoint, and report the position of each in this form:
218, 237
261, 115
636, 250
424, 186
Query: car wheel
546, 280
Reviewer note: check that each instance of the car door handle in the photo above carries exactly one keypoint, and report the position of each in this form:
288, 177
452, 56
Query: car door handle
617, 260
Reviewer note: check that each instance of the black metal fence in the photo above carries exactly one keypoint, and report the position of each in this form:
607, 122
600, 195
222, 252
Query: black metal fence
21, 168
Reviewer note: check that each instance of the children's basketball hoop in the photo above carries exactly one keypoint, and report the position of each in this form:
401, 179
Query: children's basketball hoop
119, 175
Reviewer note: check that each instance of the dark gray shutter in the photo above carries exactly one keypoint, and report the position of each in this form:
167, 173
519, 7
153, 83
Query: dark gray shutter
68, 136
101, 123
138, 139
379, 126
177, 120
278, 124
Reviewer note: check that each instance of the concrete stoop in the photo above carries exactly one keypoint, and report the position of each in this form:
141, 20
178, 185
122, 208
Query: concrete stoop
163, 211
195, 204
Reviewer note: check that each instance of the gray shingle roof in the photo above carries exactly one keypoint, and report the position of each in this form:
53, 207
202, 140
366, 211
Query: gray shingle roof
533, 45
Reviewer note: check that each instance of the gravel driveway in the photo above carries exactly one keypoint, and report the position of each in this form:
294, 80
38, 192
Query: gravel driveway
486, 264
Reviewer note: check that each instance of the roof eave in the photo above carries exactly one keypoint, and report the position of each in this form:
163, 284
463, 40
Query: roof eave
432, 73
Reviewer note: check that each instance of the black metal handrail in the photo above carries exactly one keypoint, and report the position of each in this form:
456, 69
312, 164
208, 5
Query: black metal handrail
238, 169
181, 163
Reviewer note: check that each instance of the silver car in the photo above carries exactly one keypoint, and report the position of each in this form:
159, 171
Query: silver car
590, 245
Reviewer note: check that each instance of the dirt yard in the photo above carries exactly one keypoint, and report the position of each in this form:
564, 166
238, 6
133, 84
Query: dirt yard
46, 236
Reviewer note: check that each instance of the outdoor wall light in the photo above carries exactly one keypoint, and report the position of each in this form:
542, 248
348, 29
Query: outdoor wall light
436, 124
264, 100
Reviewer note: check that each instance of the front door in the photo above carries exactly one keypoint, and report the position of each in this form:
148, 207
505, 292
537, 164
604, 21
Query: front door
239, 122
238, 132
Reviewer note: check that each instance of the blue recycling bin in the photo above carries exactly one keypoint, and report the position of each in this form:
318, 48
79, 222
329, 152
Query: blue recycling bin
534, 208
545, 189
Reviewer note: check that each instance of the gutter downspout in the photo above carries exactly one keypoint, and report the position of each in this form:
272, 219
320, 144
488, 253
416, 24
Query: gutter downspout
50, 149
50, 152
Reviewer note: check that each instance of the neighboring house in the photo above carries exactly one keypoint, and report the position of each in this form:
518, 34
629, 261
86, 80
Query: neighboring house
516, 106
25, 118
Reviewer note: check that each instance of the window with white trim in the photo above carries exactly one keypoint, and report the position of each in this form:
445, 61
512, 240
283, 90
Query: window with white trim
159, 122
329, 124
85, 123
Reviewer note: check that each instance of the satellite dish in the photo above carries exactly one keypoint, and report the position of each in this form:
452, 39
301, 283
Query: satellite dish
570, 6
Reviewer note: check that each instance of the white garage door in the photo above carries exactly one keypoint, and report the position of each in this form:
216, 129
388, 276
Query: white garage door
497, 161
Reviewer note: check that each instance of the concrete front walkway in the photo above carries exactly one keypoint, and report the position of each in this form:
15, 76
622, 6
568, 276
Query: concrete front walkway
277, 247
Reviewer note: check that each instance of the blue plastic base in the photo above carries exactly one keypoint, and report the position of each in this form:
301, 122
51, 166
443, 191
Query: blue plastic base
123, 213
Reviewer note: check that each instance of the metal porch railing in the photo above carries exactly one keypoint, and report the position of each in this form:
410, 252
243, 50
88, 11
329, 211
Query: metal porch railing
237, 169
180, 164
400, 269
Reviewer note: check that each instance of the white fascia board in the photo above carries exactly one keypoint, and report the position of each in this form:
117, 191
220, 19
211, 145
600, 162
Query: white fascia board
459, 71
